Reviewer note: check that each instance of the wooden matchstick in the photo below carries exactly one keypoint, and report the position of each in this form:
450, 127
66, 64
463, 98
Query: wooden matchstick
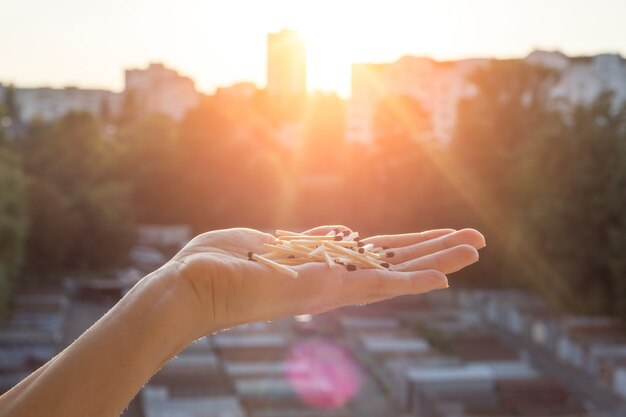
309, 242
329, 261
276, 266
354, 255
287, 233
287, 250
318, 251
306, 237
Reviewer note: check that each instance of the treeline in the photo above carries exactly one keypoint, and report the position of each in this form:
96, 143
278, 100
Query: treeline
547, 187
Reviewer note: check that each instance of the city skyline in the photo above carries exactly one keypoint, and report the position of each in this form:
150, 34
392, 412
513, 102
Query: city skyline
223, 43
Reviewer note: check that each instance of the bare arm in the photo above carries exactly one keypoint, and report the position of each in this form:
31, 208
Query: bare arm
208, 286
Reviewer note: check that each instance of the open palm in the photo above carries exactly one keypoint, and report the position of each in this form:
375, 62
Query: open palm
232, 290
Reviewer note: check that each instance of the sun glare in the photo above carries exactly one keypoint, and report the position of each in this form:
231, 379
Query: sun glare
328, 49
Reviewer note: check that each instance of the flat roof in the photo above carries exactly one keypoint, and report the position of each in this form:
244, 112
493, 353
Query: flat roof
157, 403
395, 345
473, 371
249, 340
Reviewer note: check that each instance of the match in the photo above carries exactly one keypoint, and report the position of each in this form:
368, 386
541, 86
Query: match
337, 247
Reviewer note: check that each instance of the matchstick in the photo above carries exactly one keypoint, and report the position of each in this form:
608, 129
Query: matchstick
329, 261
316, 252
355, 255
287, 233
309, 242
287, 250
306, 237
276, 266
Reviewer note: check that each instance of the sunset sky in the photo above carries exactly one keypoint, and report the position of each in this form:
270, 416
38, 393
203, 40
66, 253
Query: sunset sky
88, 43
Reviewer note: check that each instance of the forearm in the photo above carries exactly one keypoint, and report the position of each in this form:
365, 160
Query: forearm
103, 370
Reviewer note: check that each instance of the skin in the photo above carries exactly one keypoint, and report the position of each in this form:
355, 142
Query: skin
210, 285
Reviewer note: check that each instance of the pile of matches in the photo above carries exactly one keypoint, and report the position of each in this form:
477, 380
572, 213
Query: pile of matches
337, 248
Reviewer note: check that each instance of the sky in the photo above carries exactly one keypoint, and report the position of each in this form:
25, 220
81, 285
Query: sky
89, 43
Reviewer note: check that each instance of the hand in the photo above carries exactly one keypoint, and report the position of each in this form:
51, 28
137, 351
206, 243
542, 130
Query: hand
231, 290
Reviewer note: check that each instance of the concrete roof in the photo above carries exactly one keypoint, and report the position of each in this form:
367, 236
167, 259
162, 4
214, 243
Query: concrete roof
157, 403
395, 345
252, 341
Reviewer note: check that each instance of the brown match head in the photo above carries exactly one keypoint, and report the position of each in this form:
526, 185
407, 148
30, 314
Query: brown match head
390, 254
359, 244
291, 256
361, 250
351, 267
338, 238
250, 256
385, 247
346, 232
385, 264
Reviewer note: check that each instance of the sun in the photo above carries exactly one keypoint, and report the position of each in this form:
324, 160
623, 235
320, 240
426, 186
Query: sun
330, 51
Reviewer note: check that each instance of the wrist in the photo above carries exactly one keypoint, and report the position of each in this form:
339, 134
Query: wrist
172, 302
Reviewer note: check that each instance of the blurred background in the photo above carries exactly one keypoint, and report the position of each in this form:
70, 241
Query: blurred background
127, 127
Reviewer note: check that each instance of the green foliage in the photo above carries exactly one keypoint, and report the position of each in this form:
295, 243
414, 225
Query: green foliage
406, 170
13, 224
81, 217
54, 229
578, 215
231, 174
546, 189
10, 104
149, 159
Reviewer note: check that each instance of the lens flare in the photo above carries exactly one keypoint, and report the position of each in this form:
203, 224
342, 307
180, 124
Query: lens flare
323, 374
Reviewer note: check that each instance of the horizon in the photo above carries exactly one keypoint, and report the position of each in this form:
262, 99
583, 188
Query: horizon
261, 86
216, 44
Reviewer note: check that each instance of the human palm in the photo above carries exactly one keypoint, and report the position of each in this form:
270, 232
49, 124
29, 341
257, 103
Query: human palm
232, 290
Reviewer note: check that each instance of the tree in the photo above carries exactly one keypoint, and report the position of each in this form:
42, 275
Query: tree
74, 198
230, 176
150, 161
10, 105
13, 224
130, 110
507, 117
578, 214
105, 111
400, 121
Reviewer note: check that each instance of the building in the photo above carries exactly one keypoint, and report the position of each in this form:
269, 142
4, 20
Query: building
583, 78
47, 103
439, 86
436, 86
158, 89
286, 65
154, 89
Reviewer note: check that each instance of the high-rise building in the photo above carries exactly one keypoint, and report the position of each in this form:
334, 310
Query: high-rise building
47, 103
440, 86
160, 89
286, 65
436, 86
